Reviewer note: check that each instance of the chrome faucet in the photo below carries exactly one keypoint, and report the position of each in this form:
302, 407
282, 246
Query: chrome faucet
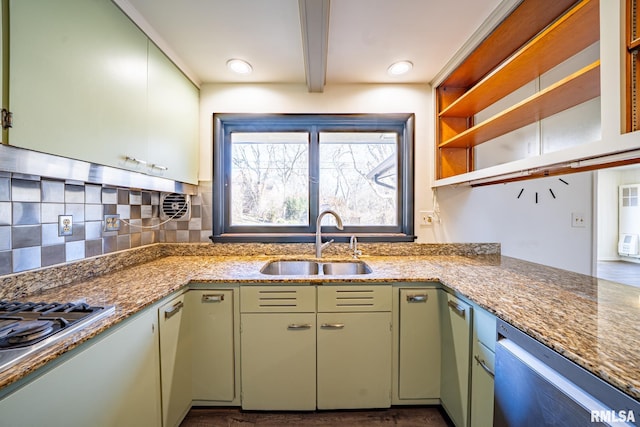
353, 244
319, 245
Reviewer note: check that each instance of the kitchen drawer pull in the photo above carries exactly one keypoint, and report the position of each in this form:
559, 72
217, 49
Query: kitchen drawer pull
457, 308
298, 326
173, 310
417, 298
332, 326
213, 298
159, 167
484, 366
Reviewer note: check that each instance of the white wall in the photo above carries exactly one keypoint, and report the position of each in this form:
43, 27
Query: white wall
539, 232
536, 232
607, 203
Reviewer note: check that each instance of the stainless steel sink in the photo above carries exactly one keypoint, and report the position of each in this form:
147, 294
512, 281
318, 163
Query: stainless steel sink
291, 268
342, 268
312, 268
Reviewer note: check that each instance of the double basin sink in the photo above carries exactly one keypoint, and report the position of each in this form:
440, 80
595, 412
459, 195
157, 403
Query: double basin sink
314, 268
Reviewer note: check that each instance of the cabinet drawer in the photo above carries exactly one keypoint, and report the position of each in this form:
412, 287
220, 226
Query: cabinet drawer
354, 298
277, 299
485, 328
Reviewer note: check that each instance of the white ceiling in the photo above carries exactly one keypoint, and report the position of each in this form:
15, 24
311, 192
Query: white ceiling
364, 36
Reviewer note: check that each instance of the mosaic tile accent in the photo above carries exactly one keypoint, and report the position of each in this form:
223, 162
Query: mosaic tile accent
30, 206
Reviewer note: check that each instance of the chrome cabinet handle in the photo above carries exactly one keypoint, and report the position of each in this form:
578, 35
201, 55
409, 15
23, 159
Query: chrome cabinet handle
298, 326
332, 326
173, 310
159, 167
417, 298
484, 366
134, 160
213, 298
460, 311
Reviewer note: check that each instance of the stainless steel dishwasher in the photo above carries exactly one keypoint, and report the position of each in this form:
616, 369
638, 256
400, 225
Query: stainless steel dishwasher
535, 386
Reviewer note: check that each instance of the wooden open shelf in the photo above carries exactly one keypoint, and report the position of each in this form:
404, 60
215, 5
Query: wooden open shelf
574, 89
565, 28
564, 38
522, 25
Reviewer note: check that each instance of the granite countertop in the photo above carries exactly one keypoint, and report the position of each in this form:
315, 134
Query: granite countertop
593, 322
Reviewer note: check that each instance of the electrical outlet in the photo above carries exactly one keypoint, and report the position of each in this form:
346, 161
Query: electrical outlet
577, 220
112, 222
65, 225
427, 217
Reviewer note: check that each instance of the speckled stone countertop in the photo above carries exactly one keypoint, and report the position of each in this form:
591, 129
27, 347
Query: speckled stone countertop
593, 322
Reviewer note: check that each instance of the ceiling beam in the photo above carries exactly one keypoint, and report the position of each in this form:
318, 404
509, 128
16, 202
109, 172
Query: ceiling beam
314, 22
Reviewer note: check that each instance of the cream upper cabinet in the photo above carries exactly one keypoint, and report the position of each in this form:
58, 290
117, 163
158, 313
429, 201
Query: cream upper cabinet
173, 106
86, 83
77, 80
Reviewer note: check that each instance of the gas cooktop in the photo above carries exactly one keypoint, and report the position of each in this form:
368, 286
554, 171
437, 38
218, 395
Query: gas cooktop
26, 327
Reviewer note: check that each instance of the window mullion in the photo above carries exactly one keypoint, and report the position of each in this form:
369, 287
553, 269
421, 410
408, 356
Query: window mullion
314, 176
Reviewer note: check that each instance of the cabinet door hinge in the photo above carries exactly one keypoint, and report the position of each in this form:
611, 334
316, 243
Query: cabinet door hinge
7, 119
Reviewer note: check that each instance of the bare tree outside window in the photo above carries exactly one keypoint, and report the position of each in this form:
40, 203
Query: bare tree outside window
274, 174
358, 176
270, 178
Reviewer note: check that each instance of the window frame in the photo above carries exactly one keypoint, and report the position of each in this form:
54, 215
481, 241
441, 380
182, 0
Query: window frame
226, 123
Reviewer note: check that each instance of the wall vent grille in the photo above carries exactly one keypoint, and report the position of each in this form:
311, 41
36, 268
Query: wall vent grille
175, 206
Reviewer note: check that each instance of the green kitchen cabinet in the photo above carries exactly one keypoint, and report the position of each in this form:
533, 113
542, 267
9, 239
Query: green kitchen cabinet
354, 346
175, 361
173, 118
86, 83
456, 357
278, 347
77, 80
418, 345
215, 348
482, 367
112, 380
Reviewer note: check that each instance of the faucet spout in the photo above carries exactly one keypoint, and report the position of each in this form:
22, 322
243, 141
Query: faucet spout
319, 245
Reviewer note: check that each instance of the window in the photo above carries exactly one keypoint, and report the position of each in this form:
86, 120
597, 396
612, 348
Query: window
274, 174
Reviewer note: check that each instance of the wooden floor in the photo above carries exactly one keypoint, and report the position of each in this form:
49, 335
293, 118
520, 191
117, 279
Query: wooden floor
423, 416
620, 271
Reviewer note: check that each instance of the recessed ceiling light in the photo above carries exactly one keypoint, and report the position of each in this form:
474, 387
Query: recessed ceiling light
399, 68
239, 66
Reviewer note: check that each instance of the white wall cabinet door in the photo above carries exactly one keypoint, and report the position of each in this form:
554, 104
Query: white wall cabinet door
113, 380
213, 346
175, 362
456, 352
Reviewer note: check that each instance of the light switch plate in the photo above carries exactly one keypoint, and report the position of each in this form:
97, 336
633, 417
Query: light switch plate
65, 225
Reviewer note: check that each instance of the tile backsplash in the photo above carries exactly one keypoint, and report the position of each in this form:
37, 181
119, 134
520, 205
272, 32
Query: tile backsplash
29, 219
